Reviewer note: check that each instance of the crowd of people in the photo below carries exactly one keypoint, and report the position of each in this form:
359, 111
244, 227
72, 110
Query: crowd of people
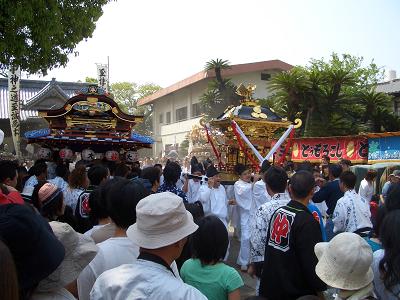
106, 230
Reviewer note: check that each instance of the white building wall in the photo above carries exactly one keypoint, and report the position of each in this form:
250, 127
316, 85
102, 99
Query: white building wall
176, 132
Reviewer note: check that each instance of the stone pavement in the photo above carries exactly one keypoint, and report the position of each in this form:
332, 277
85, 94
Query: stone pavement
249, 288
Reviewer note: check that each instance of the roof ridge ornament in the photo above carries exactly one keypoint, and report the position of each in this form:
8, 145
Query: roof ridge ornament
247, 93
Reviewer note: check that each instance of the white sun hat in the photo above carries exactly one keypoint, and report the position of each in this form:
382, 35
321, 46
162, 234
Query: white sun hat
161, 220
79, 252
345, 262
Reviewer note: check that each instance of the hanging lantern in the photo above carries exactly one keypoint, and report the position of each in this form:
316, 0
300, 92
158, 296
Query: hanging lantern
44, 153
131, 156
88, 155
112, 155
66, 154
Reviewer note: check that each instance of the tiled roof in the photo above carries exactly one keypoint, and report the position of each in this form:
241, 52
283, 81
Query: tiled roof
31, 91
389, 87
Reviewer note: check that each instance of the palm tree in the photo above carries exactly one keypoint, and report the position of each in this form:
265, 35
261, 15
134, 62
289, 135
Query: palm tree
217, 65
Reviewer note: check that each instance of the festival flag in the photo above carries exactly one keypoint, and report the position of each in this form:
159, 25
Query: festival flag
14, 76
102, 76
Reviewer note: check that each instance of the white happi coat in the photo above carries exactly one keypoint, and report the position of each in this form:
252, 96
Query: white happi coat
215, 202
352, 212
260, 195
143, 280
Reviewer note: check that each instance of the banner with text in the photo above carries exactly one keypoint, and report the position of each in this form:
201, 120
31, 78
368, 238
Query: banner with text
102, 76
353, 148
384, 149
14, 76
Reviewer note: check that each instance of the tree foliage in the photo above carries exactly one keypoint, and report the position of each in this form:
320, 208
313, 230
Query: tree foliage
39, 35
334, 97
221, 92
126, 94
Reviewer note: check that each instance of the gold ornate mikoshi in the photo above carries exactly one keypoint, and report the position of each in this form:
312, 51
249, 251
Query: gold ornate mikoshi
258, 123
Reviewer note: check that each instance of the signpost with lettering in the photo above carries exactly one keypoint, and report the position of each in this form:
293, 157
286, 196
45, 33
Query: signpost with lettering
14, 76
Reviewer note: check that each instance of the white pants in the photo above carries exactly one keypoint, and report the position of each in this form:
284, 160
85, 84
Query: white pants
244, 253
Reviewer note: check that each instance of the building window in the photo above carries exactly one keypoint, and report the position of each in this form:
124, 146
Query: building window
181, 114
168, 117
265, 76
161, 118
197, 109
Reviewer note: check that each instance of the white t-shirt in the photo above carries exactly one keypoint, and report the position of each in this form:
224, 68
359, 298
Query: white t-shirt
112, 253
260, 194
215, 202
366, 190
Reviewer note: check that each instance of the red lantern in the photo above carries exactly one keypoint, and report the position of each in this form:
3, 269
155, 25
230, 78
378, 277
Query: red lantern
66, 154
112, 155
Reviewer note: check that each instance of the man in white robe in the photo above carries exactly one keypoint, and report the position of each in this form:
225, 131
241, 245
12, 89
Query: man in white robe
244, 200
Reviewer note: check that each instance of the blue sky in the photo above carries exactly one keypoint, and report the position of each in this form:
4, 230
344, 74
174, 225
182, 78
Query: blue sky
165, 41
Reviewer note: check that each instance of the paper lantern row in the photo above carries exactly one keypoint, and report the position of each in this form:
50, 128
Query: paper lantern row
88, 155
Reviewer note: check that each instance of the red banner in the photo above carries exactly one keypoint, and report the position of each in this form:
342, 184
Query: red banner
353, 148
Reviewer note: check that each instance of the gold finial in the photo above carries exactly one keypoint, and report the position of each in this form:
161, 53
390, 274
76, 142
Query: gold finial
297, 123
246, 92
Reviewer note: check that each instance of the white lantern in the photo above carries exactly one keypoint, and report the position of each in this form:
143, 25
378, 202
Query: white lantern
1, 136
88, 155
44, 153
66, 154
131, 156
112, 155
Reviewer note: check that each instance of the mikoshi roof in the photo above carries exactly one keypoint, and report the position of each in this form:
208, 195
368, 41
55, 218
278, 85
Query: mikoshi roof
43, 136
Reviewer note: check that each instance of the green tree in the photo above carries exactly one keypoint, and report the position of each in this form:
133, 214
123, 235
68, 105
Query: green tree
221, 92
126, 94
39, 35
91, 80
334, 97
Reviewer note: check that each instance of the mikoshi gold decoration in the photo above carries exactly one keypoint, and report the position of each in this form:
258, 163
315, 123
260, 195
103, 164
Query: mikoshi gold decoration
258, 124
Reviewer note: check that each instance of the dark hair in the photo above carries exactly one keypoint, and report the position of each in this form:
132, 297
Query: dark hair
135, 172
158, 166
335, 170
39, 168
172, 172
326, 157
302, 183
371, 175
348, 179
97, 174
122, 199
308, 297
196, 209
193, 161
240, 168
276, 178
61, 171
392, 201
121, 170
265, 166
50, 210
111, 165
8, 274
305, 166
152, 174
8, 170
210, 241
389, 266
380, 216
345, 162
77, 177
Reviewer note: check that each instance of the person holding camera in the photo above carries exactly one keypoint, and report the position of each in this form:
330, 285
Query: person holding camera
213, 197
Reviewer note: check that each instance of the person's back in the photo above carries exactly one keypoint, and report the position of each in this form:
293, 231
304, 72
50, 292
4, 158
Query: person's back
289, 264
206, 271
142, 280
153, 275
352, 213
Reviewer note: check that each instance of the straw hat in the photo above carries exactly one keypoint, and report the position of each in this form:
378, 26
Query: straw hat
345, 262
161, 220
79, 252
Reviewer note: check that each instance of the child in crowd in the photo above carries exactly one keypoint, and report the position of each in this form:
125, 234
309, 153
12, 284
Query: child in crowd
206, 271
